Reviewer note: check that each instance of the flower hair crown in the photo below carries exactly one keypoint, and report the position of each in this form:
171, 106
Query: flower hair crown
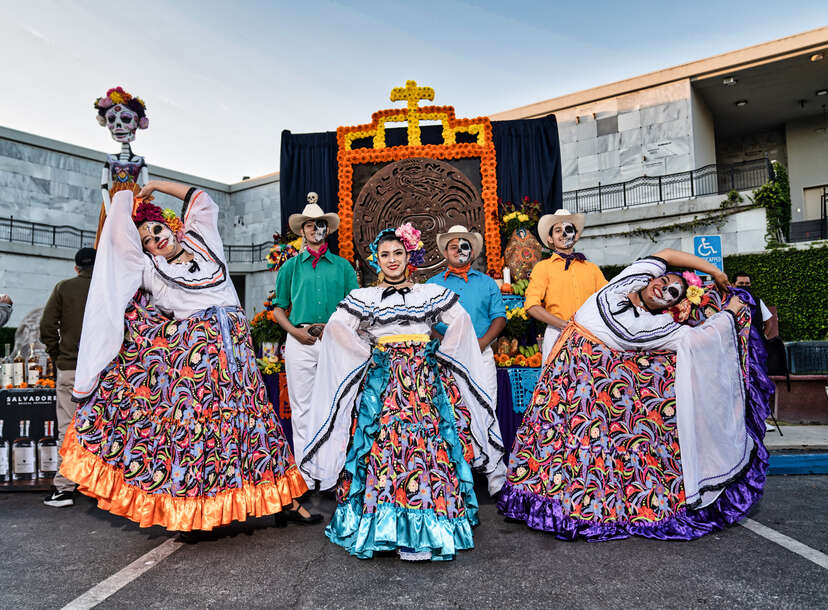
117, 95
410, 239
146, 211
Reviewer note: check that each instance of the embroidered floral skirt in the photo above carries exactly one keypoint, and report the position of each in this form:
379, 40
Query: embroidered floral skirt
179, 432
407, 483
597, 454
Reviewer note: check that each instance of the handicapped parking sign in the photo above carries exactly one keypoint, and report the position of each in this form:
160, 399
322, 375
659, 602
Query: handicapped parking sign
709, 247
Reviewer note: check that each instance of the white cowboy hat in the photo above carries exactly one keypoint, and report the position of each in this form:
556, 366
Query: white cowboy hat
459, 231
547, 221
312, 211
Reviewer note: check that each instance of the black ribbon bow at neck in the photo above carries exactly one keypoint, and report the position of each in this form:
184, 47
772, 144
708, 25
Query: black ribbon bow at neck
392, 289
575, 256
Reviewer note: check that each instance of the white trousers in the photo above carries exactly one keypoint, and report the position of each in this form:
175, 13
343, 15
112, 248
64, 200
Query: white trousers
489, 376
550, 336
300, 371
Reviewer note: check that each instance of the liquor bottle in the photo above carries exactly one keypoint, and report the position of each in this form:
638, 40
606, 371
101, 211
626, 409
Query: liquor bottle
6, 371
24, 460
33, 369
50, 368
5, 475
18, 371
47, 452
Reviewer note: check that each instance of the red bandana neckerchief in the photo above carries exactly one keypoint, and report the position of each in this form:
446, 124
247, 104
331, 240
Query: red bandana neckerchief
317, 255
459, 271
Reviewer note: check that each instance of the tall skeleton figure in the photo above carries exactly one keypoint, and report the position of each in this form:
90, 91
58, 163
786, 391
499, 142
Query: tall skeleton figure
123, 115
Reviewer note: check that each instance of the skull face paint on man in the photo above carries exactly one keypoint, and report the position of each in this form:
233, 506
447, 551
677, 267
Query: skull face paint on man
663, 292
464, 251
316, 231
459, 252
122, 123
563, 235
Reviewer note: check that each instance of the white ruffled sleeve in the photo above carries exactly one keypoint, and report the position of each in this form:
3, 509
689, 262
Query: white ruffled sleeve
460, 353
343, 359
710, 408
200, 214
119, 265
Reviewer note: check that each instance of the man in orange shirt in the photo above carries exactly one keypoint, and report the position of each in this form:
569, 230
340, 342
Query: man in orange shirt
559, 285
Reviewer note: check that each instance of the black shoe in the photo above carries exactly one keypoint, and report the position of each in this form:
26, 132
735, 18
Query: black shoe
286, 515
60, 499
191, 537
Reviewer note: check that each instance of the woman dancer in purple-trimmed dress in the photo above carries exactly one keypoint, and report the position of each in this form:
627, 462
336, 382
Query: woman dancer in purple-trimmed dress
648, 417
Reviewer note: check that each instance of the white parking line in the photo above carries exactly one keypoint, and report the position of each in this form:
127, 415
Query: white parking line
794, 546
119, 580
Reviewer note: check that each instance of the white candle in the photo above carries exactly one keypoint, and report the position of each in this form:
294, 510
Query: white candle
507, 275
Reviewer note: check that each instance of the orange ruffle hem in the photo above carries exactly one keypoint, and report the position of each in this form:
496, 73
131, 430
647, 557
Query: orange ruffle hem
106, 484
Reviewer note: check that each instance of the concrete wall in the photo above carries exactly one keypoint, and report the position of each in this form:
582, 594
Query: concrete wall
807, 144
28, 274
254, 205
742, 232
617, 139
704, 131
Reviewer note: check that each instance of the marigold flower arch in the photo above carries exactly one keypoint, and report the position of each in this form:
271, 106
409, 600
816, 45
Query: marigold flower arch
482, 148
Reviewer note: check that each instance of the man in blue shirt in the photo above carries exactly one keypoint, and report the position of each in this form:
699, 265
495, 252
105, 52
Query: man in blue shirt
479, 294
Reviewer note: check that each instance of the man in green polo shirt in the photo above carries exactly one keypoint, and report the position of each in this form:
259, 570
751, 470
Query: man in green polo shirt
311, 285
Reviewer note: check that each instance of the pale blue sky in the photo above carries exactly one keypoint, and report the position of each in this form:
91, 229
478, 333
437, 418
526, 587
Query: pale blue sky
222, 79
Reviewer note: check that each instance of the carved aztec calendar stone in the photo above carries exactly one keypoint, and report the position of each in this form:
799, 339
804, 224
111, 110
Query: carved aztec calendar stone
432, 195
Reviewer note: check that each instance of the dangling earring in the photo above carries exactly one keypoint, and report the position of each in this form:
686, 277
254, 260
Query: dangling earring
380, 278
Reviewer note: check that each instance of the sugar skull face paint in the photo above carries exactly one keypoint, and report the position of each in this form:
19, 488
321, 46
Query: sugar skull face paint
316, 231
663, 292
458, 252
564, 235
157, 239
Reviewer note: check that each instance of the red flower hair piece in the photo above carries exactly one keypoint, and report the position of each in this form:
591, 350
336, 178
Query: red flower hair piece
148, 211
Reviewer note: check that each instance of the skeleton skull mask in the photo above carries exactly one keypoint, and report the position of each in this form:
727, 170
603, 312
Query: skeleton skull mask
122, 123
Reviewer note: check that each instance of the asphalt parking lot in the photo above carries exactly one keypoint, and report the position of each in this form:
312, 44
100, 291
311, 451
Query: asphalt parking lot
57, 556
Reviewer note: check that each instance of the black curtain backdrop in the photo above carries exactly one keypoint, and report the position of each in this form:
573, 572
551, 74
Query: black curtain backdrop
528, 164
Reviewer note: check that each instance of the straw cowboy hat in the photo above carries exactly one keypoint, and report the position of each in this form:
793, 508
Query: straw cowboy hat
312, 211
547, 221
459, 231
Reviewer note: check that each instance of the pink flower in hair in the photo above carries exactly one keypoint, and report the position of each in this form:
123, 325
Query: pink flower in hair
409, 235
691, 278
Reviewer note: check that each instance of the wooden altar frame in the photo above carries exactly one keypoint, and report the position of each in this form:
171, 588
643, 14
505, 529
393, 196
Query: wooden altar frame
483, 149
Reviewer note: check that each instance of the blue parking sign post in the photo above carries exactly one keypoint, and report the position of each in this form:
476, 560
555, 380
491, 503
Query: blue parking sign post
709, 247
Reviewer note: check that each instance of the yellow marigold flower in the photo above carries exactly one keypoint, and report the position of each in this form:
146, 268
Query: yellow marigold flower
694, 294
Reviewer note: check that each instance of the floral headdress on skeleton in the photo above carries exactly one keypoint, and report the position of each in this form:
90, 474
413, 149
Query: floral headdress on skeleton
117, 95
692, 298
410, 239
149, 212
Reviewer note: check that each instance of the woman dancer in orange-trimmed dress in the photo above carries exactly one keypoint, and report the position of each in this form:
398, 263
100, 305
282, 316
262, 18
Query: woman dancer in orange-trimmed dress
174, 427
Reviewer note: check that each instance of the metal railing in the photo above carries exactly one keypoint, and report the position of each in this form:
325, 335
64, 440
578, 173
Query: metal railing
64, 236
707, 180
42, 234
254, 253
